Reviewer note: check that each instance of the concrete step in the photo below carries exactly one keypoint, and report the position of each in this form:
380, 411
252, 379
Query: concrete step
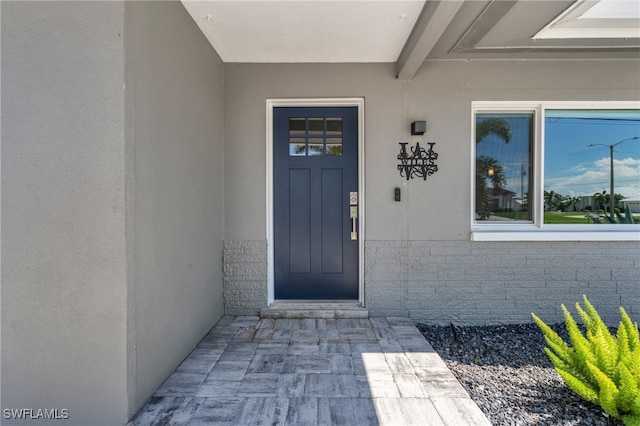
305, 310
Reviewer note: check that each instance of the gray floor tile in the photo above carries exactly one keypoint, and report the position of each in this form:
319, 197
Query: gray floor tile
398, 362
426, 360
364, 390
272, 363
218, 411
347, 411
407, 412
379, 322
302, 412
407, 331
258, 385
199, 361
316, 363
460, 412
264, 411
228, 370
335, 347
375, 366
313, 324
331, 324
324, 363
383, 332
359, 347
413, 344
265, 323
281, 335
344, 371
356, 334
241, 347
330, 335
224, 330
214, 342
390, 344
263, 334
244, 334
218, 388
347, 323
330, 385
341, 363
409, 386
181, 384
291, 385
287, 324
236, 356
303, 348
167, 410
246, 321
440, 385
383, 388
305, 336
225, 320
271, 347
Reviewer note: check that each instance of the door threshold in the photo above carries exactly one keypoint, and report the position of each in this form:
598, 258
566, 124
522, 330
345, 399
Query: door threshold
306, 309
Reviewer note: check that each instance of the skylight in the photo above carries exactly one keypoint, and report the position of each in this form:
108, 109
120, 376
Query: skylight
613, 9
595, 19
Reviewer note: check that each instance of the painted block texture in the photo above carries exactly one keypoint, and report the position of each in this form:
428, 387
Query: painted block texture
499, 282
245, 276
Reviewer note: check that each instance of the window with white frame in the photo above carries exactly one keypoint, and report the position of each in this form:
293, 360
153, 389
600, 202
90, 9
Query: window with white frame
552, 167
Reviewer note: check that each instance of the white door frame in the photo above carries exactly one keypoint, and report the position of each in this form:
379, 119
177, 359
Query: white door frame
315, 102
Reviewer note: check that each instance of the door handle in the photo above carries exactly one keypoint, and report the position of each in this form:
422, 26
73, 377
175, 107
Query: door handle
353, 214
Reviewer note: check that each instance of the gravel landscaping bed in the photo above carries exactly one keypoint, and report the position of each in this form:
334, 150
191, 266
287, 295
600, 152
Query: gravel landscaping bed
507, 373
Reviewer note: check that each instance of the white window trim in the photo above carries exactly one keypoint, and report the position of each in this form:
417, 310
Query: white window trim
537, 231
314, 102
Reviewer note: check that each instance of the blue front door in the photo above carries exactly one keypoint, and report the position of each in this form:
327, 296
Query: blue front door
315, 184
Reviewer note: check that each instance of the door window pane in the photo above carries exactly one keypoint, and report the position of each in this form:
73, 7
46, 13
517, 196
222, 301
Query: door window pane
334, 146
316, 127
504, 144
315, 136
334, 137
297, 126
316, 146
297, 146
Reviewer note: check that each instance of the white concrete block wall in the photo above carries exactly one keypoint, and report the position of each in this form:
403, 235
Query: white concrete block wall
499, 282
245, 276
466, 282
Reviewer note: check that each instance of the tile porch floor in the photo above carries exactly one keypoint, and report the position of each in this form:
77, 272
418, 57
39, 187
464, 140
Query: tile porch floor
315, 371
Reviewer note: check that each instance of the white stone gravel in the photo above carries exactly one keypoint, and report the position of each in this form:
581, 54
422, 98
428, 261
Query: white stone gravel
507, 373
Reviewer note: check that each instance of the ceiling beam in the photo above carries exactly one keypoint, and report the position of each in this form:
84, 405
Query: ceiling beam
433, 20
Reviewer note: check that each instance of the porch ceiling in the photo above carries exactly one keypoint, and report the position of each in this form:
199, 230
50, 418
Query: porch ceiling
408, 32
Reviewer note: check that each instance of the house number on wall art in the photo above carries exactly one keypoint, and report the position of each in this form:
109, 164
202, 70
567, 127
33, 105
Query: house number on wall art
420, 163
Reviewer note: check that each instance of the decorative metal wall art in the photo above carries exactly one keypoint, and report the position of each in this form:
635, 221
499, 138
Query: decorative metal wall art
420, 163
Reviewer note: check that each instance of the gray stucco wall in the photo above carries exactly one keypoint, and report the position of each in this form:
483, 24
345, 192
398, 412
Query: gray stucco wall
112, 209
63, 210
433, 271
175, 189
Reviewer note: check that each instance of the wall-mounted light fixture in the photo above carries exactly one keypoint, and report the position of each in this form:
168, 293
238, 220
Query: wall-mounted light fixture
418, 127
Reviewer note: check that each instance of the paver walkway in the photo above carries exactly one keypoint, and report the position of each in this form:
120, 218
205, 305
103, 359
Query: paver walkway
253, 371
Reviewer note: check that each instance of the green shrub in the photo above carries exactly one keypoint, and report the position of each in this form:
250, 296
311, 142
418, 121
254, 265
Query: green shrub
598, 366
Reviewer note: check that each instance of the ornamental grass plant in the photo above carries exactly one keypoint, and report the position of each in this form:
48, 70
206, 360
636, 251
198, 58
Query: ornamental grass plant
598, 366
